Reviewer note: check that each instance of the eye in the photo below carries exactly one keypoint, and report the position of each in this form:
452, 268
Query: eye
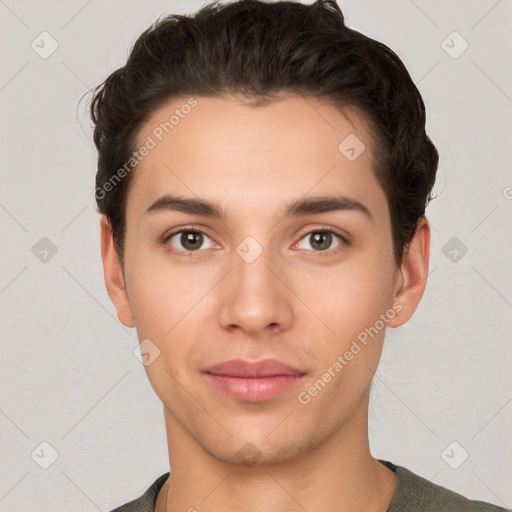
191, 240
188, 241
321, 240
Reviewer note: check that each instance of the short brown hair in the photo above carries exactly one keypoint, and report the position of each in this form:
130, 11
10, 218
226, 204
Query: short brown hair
258, 50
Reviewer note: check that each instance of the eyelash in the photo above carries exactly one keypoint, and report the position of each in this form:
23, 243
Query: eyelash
325, 229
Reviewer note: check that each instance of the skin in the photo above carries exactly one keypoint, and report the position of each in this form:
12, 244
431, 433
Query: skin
297, 303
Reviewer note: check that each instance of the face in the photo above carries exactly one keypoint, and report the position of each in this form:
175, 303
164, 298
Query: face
313, 286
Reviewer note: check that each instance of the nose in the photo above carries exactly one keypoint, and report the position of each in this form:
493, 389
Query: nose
256, 296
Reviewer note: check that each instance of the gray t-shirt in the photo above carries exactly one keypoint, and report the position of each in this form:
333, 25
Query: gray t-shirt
413, 493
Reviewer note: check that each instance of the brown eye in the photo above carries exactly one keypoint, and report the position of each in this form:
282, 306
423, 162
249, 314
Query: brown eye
188, 241
322, 240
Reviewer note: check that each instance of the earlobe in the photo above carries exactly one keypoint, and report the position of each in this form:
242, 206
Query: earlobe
113, 274
412, 278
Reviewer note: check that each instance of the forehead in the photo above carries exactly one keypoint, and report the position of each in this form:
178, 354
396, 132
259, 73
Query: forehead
223, 148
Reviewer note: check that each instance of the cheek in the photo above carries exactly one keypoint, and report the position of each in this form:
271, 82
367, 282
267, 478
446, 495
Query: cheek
149, 300
165, 308
161, 291
168, 304
351, 296
352, 302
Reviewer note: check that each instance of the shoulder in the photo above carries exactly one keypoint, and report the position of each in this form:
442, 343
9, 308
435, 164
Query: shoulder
145, 502
414, 493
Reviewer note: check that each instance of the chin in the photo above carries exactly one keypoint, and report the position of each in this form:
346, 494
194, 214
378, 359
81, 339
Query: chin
258, 448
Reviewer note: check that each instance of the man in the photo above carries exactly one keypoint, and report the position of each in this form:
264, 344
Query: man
262, 181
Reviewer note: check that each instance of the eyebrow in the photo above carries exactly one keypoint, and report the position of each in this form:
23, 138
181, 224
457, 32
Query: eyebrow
306, 206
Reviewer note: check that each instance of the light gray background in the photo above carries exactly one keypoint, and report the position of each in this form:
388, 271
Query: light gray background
68, 373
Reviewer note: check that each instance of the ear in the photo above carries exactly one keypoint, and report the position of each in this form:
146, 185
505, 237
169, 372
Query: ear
412, 278
113, 273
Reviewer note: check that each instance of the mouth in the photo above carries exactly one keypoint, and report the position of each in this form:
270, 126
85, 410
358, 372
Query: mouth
253, 382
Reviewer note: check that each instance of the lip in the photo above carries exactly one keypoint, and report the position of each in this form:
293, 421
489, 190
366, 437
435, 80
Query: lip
257, 369
253, 381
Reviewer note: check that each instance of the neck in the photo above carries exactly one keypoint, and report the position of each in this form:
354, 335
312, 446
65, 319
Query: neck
338, 474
